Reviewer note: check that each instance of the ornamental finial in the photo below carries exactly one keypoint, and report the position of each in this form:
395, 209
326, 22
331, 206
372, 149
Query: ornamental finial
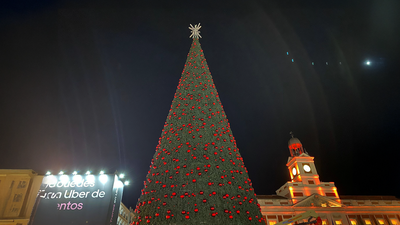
195, 31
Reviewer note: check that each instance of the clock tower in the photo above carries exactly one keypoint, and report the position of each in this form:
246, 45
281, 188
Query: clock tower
304, 176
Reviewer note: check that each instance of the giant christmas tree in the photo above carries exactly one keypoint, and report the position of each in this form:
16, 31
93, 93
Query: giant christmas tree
197, 175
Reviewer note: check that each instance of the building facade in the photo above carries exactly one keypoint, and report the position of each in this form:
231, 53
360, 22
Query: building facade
125, 216
306, 192
18, 191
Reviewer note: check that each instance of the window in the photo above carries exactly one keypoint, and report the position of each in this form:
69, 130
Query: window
394, 221
310, 182
338, 222
272, 222
22, 184
381, 222
17, 198
15, 210
353, 222
367, 222
324, 222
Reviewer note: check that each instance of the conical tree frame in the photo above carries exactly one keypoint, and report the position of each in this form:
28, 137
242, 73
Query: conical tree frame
197, 175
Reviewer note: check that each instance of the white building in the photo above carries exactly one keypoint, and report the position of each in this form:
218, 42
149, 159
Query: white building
125, 216
306, 192
18, 191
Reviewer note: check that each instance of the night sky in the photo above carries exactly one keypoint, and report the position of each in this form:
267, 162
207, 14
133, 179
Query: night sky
87, 85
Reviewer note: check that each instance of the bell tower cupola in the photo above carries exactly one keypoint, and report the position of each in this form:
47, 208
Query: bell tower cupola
295, 146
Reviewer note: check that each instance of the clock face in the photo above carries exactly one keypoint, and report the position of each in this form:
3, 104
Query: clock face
294, 171
307, 168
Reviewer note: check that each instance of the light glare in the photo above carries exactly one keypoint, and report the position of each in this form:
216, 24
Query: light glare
121, 175
103, 178
64, 178
88, 172
77, 179
118, 183
48, 173
61, 172
52, 179
101, 172
74, 173
126, 183
90, 178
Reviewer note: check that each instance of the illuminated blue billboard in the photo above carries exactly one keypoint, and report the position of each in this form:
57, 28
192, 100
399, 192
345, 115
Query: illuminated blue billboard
78, 199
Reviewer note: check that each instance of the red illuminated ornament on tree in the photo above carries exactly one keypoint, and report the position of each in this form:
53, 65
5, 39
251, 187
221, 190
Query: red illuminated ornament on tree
194, 156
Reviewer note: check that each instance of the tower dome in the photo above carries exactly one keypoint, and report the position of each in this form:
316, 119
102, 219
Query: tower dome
295, 146
294, 143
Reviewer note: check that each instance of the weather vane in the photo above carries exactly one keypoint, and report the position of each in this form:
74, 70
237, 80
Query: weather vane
195, 31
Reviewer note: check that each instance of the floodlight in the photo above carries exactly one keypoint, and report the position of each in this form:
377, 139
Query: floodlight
126, 183
121, 175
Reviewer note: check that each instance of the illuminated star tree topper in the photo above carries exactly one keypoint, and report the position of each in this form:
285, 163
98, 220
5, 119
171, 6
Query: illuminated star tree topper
195, 31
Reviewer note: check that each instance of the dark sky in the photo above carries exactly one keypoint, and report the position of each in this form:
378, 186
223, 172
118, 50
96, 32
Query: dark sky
88, 85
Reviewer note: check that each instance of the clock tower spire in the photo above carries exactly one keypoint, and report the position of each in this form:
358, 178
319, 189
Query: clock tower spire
304, 176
